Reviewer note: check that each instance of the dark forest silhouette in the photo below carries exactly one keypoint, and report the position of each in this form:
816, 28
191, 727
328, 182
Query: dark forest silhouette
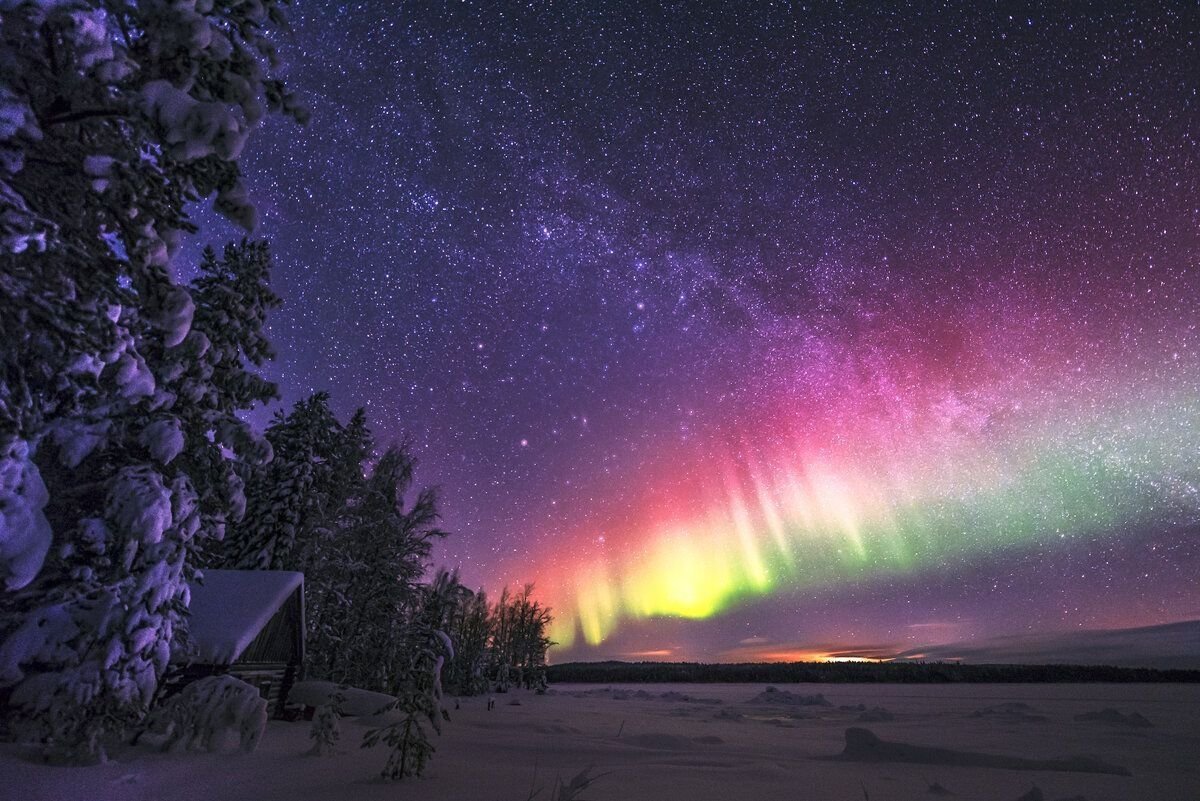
854, 672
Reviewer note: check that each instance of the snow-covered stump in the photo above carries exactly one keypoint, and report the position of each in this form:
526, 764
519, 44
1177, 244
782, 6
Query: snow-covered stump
217, 714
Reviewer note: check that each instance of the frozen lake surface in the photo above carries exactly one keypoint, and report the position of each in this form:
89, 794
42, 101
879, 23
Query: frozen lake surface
703, 741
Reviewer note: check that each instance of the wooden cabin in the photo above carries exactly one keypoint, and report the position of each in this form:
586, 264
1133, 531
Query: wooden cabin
249, 624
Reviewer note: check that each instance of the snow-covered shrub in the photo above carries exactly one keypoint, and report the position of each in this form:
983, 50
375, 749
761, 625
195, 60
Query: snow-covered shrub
216, 714
326, 731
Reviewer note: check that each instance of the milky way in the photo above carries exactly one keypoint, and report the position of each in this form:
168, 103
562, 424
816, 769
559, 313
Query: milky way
747, 332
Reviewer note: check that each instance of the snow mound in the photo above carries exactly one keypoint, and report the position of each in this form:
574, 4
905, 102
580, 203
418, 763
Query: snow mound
1134, 720
217, 714
671, 695
863, 745
355, 702
1010, 712
876, 715
658, 741
771, 695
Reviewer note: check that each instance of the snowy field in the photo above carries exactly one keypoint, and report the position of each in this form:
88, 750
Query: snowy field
698, 742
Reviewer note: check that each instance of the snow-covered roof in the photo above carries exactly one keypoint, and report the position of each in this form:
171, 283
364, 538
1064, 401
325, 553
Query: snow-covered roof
230, 607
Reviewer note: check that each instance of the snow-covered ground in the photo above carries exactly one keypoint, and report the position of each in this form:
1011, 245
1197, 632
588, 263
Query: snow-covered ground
698, 742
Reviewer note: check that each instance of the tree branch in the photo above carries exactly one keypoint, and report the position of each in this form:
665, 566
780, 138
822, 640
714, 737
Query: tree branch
83, 114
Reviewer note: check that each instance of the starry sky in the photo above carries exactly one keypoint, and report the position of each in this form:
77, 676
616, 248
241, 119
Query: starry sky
767, 331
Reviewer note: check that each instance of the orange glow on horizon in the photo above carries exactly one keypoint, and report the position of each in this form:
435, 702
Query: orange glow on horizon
812, 656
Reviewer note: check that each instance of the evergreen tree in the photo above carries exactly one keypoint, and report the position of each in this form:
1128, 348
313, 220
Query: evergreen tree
318, 507
422, 648
379, 559
518, 640
113, 116
470, 630
291, 500
111, 596
208, 371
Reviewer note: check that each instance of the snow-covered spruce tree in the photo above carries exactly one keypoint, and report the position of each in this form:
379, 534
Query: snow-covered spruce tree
368, 580
292, 501
113, 115
470, 631
301, 510
208, 373
518, 640
423, 648
164, 473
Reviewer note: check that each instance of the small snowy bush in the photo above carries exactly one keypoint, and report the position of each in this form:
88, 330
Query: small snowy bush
326, 730
409, 744
218, 714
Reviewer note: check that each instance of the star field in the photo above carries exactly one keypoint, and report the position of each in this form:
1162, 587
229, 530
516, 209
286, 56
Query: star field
620, 269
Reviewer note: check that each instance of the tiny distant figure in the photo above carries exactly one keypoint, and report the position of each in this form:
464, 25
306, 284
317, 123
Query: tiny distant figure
491, 702
456, 703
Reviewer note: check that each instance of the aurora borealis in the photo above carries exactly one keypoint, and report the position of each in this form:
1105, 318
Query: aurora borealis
928, 452
764, 332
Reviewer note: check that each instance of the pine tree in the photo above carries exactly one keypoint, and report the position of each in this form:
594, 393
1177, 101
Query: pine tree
115, 115
318, 507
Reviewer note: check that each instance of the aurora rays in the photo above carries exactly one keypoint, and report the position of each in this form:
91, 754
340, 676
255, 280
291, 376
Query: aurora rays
1021, 455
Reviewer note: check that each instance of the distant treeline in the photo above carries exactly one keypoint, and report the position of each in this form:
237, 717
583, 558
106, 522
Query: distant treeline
851, 672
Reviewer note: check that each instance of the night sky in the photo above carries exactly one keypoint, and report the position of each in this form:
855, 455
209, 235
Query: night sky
762, 332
